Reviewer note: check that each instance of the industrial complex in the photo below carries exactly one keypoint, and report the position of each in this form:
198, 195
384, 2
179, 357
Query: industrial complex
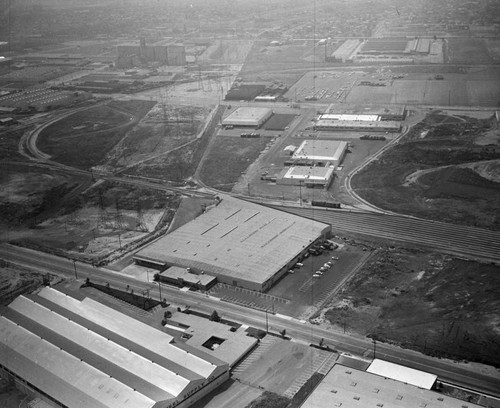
80, 353
241, 243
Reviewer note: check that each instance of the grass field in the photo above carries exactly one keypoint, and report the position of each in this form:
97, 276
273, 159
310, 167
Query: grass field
429, 302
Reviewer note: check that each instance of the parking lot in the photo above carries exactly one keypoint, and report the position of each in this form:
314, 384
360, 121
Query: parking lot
302, 290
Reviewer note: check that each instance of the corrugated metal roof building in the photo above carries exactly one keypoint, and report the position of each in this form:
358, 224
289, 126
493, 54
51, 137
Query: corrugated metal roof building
347, 387
241, 243
85, 354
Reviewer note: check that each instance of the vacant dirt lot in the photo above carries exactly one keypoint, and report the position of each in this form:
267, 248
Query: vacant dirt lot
453, 195
228, 158
83, 139
429, 302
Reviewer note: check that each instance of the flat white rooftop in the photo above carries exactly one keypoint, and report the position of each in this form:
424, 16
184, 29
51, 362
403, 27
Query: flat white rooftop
320, 150
247, 116
350, 117
401, 373
306, 173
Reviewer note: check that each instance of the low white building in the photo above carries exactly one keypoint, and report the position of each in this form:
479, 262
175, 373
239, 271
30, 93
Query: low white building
321, 152
247, 117
307, 176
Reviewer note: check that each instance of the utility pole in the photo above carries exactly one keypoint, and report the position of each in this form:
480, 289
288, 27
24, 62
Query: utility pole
374, 348
74, 266
267, 323
159, 289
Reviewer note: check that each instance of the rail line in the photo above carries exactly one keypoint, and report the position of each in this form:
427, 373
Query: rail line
449, 238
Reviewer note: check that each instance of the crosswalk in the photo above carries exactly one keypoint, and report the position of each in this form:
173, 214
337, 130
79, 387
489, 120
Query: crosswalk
322, 362
265, 344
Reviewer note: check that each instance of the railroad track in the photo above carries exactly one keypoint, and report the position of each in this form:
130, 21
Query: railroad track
469, 242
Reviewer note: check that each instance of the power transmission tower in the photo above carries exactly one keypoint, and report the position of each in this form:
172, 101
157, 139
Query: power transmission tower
141, 223
119, 221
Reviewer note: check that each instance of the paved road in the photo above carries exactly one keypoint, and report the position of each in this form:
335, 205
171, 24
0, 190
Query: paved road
458, 240
300, 331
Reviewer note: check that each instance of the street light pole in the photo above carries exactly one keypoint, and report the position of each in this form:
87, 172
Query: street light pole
159, 289
74, 266
267, 323
374, 348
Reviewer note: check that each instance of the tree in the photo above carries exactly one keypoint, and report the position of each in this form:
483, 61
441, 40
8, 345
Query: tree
214, 317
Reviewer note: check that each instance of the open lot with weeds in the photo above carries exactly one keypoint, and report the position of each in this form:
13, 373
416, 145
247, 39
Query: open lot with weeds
228, 158
422, 174
430, 302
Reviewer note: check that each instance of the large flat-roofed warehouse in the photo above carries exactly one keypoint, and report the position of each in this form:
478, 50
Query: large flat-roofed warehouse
347, 387
241, 243
321, 152
83, 354
353, 122
307, 176
247, 117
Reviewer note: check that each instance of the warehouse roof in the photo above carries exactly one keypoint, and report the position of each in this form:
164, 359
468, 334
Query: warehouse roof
324, 150
239, 239
350, 117
85, 354
343, 124
401, 373
246, 116
307, 173
348, 387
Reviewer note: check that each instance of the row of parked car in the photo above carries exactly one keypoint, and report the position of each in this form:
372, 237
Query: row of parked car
326, 267
319, 248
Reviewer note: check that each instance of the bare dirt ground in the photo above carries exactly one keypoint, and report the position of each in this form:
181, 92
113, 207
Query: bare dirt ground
436, 153
425, 301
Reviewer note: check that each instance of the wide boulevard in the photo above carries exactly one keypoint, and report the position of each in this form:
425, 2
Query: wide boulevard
298, 330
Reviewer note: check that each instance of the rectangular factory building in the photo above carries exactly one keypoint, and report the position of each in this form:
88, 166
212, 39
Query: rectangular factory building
83, 354
321, 152
247, 117
241, 243
355, 125
307, 176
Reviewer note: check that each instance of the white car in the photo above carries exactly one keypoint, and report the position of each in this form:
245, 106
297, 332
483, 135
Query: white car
316, 275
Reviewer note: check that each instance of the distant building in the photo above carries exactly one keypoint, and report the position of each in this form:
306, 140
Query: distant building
321, 152
247, 117
79, 353
136, 55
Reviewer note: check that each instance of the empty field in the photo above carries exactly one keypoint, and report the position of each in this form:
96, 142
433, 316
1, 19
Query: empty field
468, 51
429, 302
